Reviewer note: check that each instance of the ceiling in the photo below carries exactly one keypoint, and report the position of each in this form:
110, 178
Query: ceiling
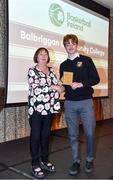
106, 3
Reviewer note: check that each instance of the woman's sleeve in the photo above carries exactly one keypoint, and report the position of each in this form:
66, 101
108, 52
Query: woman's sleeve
33, 80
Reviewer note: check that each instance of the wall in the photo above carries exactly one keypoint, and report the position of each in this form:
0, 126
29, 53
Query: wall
107, 103
14, 121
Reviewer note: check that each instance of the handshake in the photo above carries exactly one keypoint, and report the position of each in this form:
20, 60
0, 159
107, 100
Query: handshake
59, 87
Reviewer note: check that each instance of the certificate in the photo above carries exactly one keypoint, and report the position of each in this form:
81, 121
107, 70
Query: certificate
67, 78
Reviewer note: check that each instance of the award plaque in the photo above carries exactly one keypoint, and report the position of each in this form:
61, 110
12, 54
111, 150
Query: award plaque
67, 78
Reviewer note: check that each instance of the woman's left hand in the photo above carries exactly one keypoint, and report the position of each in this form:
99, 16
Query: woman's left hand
58, 88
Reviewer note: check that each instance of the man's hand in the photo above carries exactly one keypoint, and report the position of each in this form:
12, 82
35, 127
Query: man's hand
76, 85
58, 88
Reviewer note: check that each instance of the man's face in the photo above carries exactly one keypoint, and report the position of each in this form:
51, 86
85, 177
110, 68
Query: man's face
71, 47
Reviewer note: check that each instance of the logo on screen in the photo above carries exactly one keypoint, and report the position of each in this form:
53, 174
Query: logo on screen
56, 14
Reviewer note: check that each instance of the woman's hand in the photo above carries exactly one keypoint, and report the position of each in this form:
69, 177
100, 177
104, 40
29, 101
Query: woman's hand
58, 88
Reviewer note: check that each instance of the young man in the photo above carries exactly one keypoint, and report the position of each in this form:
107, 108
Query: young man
78, 101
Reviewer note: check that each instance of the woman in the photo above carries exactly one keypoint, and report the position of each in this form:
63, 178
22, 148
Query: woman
43, 101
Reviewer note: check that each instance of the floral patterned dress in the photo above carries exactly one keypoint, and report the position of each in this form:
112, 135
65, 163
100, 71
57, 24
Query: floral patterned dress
41, 98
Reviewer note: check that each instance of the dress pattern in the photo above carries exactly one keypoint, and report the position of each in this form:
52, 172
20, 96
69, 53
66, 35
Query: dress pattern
41, 97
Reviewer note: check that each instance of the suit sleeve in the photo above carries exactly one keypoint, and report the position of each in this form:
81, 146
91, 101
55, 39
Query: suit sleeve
93, 76
61, 71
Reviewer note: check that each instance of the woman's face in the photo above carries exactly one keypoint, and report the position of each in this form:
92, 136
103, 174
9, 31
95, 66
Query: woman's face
42, 57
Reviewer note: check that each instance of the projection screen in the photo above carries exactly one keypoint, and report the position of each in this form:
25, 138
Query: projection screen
36, 23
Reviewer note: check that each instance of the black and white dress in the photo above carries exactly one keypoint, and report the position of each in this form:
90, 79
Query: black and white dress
41, 98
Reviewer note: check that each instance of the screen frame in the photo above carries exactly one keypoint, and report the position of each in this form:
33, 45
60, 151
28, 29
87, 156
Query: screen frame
91, 5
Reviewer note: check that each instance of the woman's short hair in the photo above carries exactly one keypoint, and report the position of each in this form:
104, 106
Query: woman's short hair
38, 51
71, 37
